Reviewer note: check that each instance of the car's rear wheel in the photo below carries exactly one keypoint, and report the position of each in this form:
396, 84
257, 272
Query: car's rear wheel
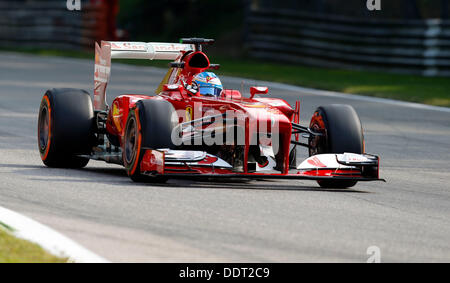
341, 132
149, 126
65, 128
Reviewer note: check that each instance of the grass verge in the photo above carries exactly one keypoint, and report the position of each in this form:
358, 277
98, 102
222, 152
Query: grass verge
14, 250
428, 90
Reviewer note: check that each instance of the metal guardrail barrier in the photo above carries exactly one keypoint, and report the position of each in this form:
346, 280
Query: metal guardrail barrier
49, 24
410, 47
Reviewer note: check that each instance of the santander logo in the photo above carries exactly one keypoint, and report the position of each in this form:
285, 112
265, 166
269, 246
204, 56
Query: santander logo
316, 162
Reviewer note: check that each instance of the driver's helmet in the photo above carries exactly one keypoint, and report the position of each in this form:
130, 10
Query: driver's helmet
207, 83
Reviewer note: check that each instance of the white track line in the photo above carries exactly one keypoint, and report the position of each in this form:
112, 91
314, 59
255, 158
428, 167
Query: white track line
158, 71
50, 240
339, 94
295, 88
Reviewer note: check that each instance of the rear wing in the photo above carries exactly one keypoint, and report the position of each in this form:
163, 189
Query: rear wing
128, 50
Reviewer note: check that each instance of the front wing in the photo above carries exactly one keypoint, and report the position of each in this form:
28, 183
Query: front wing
201, 165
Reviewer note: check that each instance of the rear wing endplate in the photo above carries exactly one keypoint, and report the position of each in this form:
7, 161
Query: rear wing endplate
128, 50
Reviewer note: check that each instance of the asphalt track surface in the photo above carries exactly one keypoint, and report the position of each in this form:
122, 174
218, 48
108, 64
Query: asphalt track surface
408, 217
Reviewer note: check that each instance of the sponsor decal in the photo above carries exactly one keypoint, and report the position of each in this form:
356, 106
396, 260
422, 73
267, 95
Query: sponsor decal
352, 157
277, 103
124, 46
316, 162
254, 105
273, 110
189, 113
208, 160
168, 47
117, 115
101, 74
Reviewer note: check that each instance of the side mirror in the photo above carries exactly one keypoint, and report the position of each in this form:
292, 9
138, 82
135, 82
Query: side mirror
258, 90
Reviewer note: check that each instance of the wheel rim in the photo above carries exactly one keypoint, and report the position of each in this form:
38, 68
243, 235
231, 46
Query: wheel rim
318, 144
44, 129
131, 141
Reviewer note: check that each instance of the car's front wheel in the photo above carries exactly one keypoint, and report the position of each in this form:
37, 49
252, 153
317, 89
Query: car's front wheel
341, 132
150, 126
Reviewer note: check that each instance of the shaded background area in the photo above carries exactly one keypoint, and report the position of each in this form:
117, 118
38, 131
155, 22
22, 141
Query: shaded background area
168, 19
406, 36
49, 24
171, 19
391, 9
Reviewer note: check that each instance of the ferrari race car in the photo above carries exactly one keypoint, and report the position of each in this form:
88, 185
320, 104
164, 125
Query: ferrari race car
194, 128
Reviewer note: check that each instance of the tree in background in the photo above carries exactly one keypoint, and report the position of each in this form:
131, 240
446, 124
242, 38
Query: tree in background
444, 9
169, 20
411, 9
110, 10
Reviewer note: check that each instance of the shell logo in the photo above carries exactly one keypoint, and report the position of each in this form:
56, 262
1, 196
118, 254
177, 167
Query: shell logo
316, 162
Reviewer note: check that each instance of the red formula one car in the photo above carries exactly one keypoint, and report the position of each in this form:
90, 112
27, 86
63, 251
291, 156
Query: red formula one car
194, 128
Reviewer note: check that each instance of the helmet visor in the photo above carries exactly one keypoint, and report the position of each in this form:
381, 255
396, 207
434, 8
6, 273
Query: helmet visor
210, 90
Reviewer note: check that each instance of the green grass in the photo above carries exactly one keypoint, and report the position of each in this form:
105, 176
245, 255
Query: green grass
428, 90
14, 250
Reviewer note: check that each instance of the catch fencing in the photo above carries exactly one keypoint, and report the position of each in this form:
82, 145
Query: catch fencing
50, 24
401, 46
